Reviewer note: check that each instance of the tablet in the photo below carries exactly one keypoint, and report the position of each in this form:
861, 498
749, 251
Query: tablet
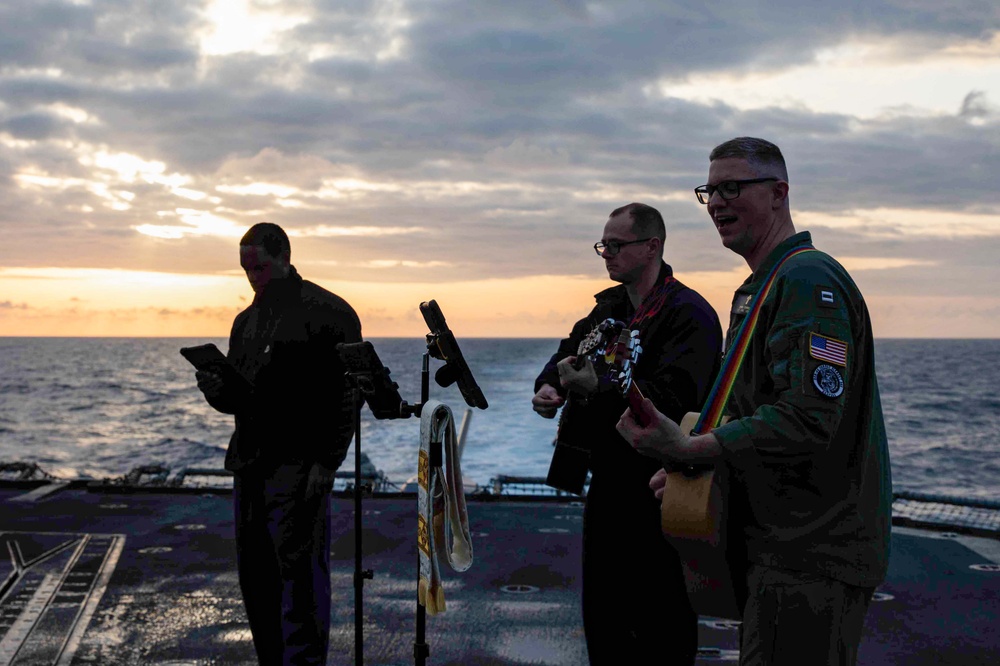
205, 357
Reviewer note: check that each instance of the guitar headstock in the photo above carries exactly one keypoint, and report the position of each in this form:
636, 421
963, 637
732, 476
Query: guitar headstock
627, 351
600, 342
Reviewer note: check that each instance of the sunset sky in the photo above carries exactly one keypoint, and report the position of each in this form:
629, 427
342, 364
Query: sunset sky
470, 152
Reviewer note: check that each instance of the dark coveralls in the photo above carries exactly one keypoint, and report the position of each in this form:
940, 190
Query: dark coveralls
809, 447
297, 414
635, 606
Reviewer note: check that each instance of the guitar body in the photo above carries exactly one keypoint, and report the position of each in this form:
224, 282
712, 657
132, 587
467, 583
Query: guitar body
693, 518
571, 457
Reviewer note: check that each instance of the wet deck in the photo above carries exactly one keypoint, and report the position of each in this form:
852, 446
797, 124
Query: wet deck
148, 578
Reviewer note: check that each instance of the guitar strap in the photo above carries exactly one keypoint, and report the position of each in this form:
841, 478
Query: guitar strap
442, 517
715, 404
693, 504
652, 304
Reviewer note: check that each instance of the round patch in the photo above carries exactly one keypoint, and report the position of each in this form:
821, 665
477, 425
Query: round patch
827, 379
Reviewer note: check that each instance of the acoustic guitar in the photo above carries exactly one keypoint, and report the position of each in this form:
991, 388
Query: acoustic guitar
693, 514
571, 456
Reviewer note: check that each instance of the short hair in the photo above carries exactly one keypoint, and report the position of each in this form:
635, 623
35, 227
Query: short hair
646, 220
271, 236
764, 157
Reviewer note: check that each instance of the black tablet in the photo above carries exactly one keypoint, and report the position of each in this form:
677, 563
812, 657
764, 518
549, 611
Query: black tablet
205, 357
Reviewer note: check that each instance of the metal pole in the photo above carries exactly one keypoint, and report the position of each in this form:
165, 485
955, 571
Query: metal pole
359, 574
421, 650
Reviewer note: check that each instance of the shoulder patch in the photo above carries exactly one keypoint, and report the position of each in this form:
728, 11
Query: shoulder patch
828, 381
741, 304
827, 349
826, 297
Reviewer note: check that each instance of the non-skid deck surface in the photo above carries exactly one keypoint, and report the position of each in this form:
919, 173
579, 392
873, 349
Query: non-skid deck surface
149, 578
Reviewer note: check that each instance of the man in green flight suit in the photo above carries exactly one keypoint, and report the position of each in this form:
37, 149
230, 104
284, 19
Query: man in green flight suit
806, 442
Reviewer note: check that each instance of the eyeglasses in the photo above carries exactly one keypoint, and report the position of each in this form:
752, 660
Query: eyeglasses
614, 247
729, 189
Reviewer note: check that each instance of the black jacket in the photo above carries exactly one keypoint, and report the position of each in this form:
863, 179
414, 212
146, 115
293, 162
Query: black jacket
295, 408
682, 348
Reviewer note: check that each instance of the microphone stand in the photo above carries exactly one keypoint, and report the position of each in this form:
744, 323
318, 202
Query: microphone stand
361, 385
360, 575
369, 381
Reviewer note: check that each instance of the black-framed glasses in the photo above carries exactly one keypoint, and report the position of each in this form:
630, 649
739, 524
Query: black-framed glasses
614, 247
729, 189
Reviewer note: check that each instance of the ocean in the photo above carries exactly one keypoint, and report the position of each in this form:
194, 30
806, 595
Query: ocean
98, 407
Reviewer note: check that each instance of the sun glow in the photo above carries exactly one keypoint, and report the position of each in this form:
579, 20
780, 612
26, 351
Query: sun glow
896, 222
196, 223
883, 78
241, 25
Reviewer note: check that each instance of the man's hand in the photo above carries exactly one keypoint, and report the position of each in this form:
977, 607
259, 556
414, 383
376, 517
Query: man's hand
583, 381
320, 481
658, 483
547, 401
660, 438
664, 440
209, 383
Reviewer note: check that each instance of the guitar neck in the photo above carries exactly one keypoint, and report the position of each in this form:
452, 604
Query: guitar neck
635, 402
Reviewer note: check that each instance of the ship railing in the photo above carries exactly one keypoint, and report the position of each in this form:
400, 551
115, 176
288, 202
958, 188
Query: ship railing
969, 515
23, 471
527, 486
158, 477
963, 514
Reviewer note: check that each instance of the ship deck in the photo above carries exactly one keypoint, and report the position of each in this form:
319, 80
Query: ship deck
109, 574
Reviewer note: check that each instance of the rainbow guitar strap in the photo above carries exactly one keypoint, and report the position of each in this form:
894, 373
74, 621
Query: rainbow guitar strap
715, 404
693, 507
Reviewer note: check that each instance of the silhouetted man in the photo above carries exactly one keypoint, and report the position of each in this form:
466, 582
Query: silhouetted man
293, 428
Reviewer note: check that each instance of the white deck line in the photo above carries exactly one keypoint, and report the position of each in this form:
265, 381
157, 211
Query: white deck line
40, 492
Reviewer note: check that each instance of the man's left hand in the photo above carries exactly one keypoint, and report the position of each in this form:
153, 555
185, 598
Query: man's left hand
320, 481
658, 483
582, 381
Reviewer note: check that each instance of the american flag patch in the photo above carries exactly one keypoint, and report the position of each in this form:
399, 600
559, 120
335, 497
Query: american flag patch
828, 349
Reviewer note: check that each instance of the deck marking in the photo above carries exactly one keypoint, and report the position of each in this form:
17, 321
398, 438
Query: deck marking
724, 625
718, 654
26, 620
50, 597
93, 599
991, 568
40, 492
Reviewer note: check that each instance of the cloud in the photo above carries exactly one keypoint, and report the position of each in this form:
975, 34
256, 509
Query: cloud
399, 140
855, 264
9, 305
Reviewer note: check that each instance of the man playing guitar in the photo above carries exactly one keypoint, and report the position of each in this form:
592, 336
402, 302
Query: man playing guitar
626, 561
807, 436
